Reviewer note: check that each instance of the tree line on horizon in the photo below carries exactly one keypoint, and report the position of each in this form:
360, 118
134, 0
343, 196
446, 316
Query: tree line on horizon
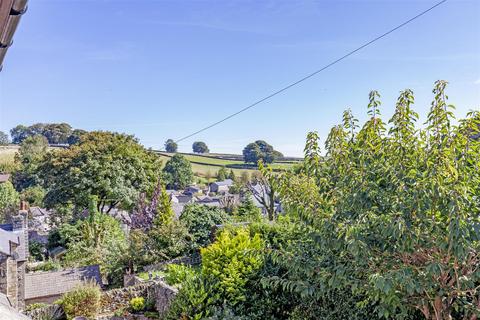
256, 151
54, 133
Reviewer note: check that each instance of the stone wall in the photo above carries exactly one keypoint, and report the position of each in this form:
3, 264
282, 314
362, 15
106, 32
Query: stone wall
52, 312
116, 299
164, 294
157, 291
10, 283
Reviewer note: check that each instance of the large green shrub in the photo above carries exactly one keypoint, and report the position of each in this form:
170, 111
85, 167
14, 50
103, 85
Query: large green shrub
228, 265
199, 220
390, 217
196, 299
177, 273
231, 261
8, 197
97, 239
82, 301
178, 172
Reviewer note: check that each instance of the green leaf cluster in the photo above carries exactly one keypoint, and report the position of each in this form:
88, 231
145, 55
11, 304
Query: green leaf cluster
390, 213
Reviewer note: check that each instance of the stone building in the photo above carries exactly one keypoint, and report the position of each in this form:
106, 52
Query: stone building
13, 258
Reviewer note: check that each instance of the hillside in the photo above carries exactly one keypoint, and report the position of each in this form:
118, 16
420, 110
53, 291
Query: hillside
212, 162
204, 166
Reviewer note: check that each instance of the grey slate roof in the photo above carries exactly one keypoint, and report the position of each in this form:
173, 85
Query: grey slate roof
45, 284
226, 182
182, 198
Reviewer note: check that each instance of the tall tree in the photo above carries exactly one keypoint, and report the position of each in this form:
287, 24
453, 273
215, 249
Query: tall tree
55, 133
200, 147
19, 133
8, 197
75, 136
397, 211
113, 167
31, 153
178, 172
171, 146
260, 150
4, 139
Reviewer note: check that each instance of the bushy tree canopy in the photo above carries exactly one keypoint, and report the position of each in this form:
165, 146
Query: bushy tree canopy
113, 167
391, 216
200, 219
55, 133
178, 172
260, 150
171, 146
31, 153
200, 147
8, 196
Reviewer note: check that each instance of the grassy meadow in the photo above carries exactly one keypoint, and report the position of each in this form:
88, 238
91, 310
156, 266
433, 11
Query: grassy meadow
205, 167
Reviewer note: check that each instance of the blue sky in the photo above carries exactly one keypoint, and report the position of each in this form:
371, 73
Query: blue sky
163, 69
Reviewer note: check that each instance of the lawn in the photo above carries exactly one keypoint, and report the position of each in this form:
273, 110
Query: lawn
202, 171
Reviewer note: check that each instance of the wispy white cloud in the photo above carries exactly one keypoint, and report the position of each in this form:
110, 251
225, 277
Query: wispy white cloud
478, 81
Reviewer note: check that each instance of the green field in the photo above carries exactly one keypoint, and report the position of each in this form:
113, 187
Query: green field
204, 165
206, 169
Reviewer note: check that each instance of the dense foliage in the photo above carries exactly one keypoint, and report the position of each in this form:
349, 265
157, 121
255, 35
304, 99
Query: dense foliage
200, 220
260, 150
83, 301
55, 133
200, 147
178, 172
97, 239
31, 153
171, 146
227, 267
156, 235
113, 167
385, 224
392, 216
230, 261
8, 198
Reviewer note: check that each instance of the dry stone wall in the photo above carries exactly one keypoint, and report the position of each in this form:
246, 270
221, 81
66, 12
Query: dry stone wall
112, 300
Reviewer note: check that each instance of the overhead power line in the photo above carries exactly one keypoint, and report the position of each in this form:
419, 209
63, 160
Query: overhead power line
313, 73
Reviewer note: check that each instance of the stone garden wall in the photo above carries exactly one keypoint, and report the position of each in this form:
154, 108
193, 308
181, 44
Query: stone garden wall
53, 312
112, 300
